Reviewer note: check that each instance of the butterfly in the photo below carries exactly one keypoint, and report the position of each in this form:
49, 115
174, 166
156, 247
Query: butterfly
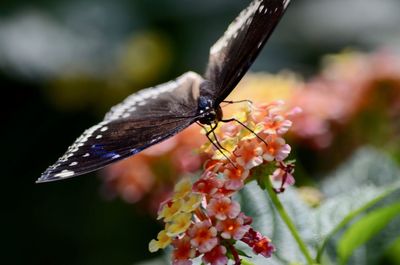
157, 113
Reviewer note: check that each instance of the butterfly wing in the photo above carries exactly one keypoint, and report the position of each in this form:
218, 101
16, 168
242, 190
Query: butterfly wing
232, 55
143, 119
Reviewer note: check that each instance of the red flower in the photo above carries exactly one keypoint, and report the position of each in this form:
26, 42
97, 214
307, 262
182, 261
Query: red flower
182, 252
260, 244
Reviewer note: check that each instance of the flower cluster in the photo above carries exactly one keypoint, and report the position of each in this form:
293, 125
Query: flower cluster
202, 219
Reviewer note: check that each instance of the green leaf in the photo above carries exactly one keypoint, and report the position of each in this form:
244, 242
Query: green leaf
364, 229
368, 167
369, 179
351, 215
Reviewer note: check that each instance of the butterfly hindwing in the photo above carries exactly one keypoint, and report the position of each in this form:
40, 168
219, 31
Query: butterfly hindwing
143, 119
233, 54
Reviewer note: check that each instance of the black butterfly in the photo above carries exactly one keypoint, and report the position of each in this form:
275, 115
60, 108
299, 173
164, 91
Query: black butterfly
155, 114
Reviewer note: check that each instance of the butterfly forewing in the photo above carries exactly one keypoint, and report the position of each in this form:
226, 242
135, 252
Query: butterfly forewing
143, 119
232, 55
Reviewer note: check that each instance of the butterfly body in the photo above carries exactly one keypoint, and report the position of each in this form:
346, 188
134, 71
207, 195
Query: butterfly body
155, 114
209, 110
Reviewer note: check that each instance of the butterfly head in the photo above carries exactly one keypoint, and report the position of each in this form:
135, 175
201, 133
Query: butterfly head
208, 113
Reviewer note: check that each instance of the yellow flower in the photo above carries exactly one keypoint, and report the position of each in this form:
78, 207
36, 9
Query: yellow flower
182, 188
229, 145
191, 202
170, 210
264, 86
179, 224
163, 241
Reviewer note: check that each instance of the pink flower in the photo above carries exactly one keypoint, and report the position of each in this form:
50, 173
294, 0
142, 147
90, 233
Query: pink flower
182, 252
217, 256
208, 183
232, 228
230, 130
284, 175
223, 208
249, 154
235, 177
276, 124
203, 236
277, 149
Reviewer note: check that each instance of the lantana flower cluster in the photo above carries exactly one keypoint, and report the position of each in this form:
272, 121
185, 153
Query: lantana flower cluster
202, 219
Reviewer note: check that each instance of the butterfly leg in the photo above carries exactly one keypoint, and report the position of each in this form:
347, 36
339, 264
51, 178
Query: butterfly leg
238, 101
217, 145
228, 102
245, 126
216, 138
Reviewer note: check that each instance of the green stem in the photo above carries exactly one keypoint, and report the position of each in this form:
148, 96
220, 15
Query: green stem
285, 217
246, 262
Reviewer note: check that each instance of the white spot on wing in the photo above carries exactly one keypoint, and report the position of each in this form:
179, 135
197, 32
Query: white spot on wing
79, 143
65, 174
244, 18
73, 164
99, 136
131, 103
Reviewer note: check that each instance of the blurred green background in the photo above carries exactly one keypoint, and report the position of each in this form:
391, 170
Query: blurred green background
63, 64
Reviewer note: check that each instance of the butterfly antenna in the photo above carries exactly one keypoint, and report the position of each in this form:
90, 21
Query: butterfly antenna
250, 130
